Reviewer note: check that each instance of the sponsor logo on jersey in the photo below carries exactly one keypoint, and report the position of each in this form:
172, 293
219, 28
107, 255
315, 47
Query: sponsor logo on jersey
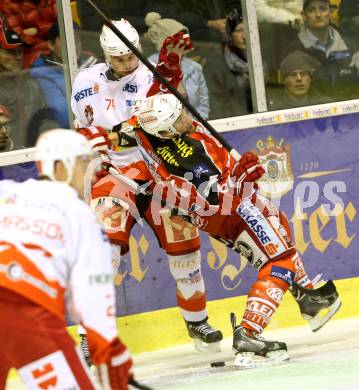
129, 103
101, 278
254, 222
282, 273
183, 149
245, 250
87, 92
130, 88
275, 293
271, 248
167, 155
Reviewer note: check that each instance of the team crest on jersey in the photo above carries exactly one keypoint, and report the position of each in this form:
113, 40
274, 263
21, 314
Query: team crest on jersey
275, 158
89, 114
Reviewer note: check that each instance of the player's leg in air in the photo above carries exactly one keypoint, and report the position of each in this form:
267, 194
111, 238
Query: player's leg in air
265, 239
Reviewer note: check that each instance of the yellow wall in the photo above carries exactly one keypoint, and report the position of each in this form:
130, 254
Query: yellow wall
165, 328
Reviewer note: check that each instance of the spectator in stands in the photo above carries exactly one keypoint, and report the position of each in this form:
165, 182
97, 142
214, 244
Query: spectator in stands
235, 55
20, 93
31, 20
193, 86
205, 19
297, 79
6, 142
49, 72
349, 18
337, 74
278, 22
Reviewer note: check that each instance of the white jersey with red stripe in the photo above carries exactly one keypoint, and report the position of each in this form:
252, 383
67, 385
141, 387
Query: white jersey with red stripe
53, 249
100, 99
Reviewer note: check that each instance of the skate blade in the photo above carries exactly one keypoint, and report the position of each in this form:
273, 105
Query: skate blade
324, 316
201, 346
246, 360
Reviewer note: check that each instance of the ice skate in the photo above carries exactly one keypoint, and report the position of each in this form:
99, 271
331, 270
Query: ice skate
205, 337
252, 350
318, 305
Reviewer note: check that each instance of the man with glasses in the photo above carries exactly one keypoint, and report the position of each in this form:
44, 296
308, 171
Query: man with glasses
6, 142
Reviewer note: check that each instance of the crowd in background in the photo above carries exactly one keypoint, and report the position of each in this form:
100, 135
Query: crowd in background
310, 53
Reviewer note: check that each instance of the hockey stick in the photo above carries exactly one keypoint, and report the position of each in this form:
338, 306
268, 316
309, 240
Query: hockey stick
164, 81
138, 385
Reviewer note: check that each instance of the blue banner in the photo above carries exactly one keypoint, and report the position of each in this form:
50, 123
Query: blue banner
18, 172
312, 173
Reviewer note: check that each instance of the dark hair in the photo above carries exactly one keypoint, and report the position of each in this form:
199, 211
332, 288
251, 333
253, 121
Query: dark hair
306, 3
233, 19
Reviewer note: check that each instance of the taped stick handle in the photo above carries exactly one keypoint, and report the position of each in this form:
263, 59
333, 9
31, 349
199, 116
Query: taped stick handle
164, 81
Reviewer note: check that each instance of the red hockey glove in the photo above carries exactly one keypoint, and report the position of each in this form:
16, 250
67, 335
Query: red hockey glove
169, 60
171, 53
98, 138
246, 170
117, 371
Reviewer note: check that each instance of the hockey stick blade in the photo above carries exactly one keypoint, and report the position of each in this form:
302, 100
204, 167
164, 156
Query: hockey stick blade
164, 81
138, 385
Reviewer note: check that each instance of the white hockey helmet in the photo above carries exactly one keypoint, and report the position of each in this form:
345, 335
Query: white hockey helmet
112, 45
60, 144
158, 113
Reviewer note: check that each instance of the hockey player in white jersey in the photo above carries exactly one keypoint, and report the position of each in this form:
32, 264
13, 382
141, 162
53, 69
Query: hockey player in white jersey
54, 254
101, 101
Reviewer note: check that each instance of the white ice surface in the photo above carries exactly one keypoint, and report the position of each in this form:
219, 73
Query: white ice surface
327, 360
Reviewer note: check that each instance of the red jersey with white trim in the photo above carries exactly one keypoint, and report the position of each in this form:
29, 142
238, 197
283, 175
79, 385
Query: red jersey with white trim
52, 250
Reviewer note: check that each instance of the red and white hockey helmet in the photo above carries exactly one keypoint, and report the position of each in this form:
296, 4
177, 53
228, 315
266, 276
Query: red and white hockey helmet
60, 144
112, 45
157, 114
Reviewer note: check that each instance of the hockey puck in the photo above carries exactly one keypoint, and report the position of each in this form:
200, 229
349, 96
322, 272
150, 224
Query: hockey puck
218, 364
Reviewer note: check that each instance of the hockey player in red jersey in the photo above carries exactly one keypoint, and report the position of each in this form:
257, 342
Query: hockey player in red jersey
53, 256
101, 101
197, 178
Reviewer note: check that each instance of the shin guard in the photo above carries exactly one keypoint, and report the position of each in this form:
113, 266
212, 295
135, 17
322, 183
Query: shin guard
267, 292
186, 270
